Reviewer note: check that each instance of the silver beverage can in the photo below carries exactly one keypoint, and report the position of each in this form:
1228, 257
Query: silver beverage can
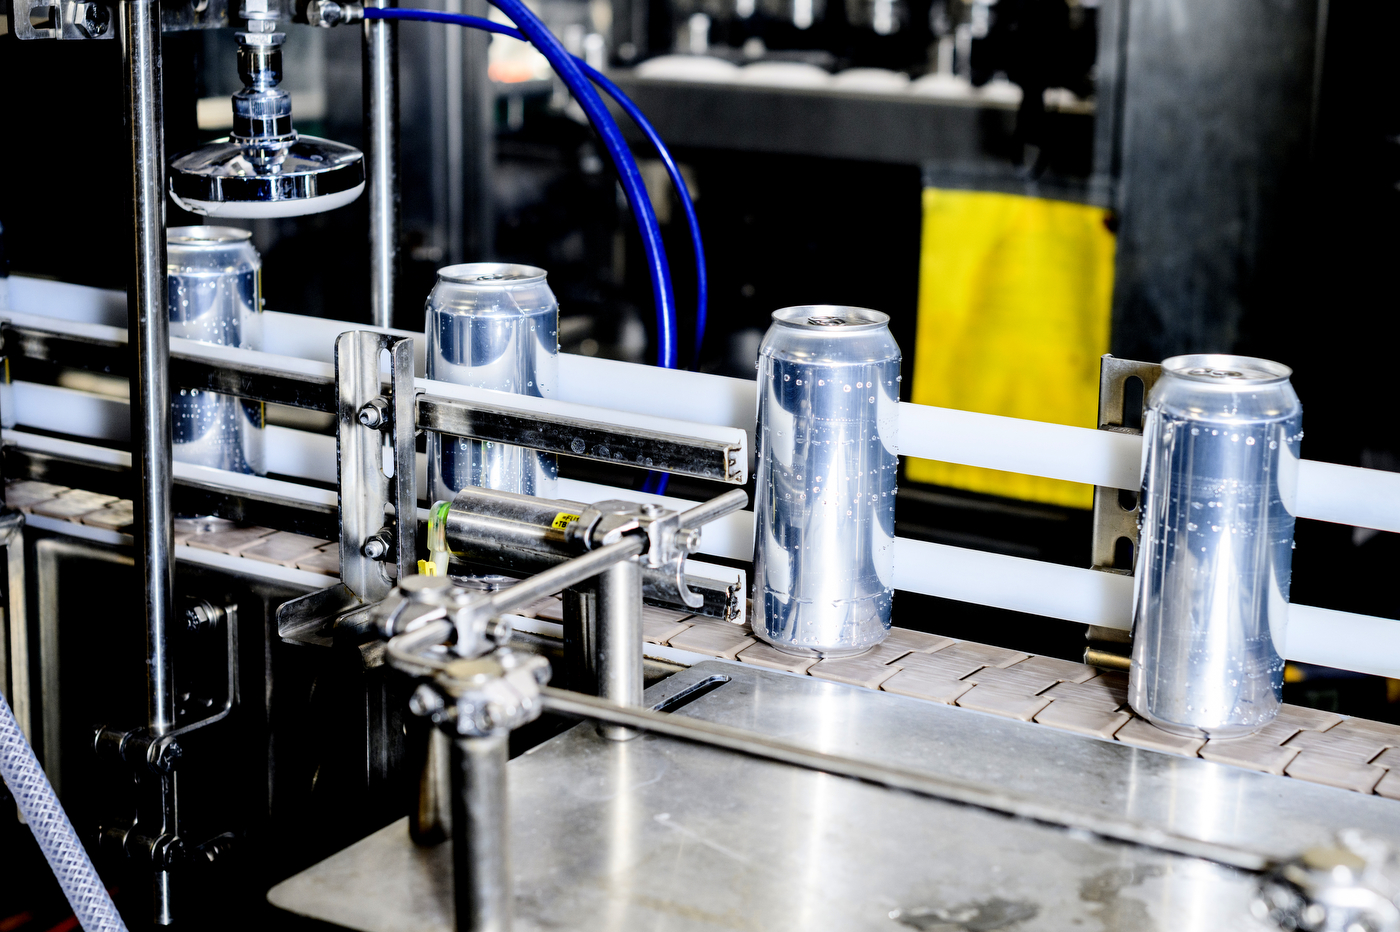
214, 281
492, 325
828, 415
1220, 473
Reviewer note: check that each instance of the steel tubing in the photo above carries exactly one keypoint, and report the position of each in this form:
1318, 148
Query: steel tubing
620, 641
480, 850
702, 514
565, 575
150, 335
948, 789
381, 107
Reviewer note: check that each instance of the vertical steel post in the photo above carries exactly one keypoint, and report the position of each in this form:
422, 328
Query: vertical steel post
480, 849
381, 106
620, 641
139, 25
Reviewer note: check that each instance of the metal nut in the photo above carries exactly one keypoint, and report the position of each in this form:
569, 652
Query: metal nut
425, 701
375, 414
376, 548
91, 19
323, 13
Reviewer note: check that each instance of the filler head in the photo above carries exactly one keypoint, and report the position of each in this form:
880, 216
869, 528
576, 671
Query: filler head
264, 168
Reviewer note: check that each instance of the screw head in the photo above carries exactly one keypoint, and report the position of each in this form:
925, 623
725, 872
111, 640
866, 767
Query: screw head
425, 701
93, 19
375, 548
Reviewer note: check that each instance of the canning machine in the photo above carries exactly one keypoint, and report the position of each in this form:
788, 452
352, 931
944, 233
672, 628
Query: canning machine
354, 697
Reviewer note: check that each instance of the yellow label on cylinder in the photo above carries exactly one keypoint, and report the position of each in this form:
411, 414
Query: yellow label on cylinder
563, 520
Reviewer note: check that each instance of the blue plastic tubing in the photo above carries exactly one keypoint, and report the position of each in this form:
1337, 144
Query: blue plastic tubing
52, 830
573, 71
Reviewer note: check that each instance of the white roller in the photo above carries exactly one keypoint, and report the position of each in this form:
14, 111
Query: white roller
1343, 640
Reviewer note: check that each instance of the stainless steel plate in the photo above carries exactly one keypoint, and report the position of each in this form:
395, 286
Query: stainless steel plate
656, 834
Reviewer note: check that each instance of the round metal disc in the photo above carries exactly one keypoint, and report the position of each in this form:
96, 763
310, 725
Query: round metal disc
316, 175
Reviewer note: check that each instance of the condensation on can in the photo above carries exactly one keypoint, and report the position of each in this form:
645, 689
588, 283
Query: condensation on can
214, 295
492, 325
828, 402
1220, 472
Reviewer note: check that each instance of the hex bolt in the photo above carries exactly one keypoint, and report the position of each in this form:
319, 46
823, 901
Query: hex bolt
91, 19
376, 547
168, 756
375, 414
425, 701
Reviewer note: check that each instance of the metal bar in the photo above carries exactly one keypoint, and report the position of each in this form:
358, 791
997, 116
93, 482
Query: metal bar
363, 487
150, 334
715, 508
763, 747
586, 439
17, 614
480, 843
564, 576
381, 105
401, 435
620, 641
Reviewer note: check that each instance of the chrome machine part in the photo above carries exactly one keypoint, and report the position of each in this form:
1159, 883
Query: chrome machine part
264, 169
828, 400
479, 701
380, 54
139, 25
378, 501
523, 533
492, 325
1350, 886
620, 642
1219, 489
214, 276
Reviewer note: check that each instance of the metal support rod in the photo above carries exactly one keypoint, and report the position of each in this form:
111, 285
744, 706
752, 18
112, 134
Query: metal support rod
150, 335
381, 106
620, 641
480, 850
705, 512
565, 575
948, 789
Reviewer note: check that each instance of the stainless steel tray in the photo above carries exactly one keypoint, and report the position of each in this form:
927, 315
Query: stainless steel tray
657, 834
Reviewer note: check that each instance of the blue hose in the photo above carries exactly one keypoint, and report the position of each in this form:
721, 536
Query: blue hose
632, 110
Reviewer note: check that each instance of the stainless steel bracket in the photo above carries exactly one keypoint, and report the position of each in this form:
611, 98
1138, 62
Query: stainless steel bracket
375, 462
1123, 388
1116, 510
93, 19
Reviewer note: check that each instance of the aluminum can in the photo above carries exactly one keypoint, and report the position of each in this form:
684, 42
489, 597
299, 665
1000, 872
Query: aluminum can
1220, 474
214, 282
492, 325
828, 409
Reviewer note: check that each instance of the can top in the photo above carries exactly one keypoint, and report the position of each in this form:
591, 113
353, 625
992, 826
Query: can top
207, 236
830, 318
491, 274
1226, 371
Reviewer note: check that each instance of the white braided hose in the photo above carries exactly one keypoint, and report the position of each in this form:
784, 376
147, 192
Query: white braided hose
49, 823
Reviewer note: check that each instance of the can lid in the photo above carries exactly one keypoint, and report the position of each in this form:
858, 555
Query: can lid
206, 236
830, 317
1226, 370
491, 273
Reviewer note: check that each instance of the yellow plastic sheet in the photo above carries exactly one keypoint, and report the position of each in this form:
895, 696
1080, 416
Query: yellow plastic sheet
1015, 295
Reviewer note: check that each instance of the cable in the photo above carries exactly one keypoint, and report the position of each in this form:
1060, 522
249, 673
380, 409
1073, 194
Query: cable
632, 110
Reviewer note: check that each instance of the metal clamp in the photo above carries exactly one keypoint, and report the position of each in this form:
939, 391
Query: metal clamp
486, 696
92, 19
419, 600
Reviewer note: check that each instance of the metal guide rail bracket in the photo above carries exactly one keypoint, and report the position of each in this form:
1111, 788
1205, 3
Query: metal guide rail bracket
282, 380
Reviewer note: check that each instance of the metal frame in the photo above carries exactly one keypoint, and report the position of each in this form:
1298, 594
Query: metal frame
369, 537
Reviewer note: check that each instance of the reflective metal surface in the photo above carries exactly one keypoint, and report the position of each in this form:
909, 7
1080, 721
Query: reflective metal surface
219, 180
380, 96
492, 325
655, 833
827, 419
214, 276
1211, 586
